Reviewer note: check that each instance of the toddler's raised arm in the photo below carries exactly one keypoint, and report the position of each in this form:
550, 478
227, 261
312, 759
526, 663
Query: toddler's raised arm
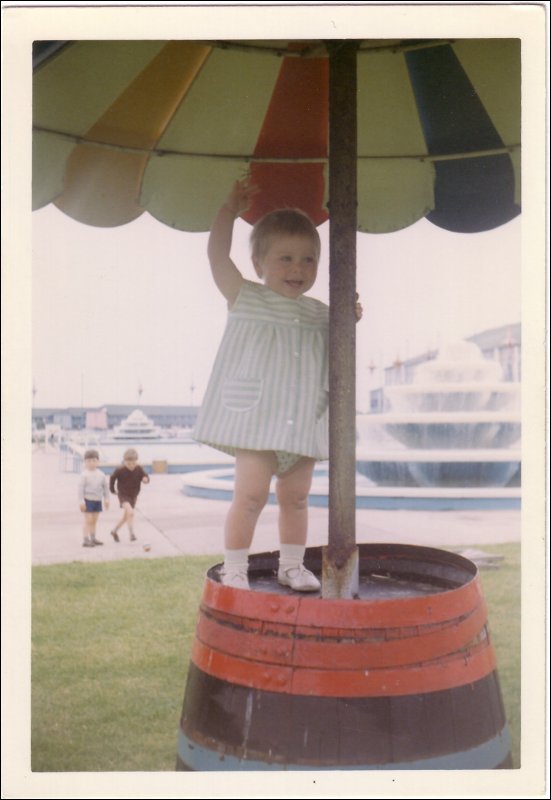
226, 275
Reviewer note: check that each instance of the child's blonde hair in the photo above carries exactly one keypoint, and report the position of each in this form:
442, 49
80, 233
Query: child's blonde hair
286, 221
130, 455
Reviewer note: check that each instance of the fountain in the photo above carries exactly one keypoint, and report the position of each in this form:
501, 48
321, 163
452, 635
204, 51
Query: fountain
136, 427
457, 425
449, 440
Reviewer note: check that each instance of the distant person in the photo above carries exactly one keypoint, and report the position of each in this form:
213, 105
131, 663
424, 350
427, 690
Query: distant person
92, 488
266, 401
126, 482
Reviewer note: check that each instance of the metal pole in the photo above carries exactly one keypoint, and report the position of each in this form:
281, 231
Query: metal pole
340, 562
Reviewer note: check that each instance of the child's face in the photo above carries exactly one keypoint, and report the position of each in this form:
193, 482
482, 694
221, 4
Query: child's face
130, 463
91, 463
289, 266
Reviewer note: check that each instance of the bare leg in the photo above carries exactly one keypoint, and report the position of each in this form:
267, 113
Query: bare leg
253, 473
292, 491
87, 525
127, 518
89, 528
94, 525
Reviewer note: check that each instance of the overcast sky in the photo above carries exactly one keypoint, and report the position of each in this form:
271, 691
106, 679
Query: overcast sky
119, 307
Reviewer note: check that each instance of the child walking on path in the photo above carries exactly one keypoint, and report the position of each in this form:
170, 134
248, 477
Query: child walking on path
126, 482
266, 402
92, 488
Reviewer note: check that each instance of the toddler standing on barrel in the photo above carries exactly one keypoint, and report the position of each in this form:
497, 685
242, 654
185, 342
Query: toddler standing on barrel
267, 398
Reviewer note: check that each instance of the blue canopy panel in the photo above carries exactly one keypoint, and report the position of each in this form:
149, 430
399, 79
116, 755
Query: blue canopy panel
471, 194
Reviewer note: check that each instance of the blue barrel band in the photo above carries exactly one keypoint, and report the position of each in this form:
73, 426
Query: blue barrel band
489, 755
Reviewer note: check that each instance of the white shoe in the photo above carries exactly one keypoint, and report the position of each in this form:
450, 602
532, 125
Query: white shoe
298, 578
236, 579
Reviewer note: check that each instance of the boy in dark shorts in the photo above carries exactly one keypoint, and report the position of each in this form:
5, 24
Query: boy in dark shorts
92, 489
126, 482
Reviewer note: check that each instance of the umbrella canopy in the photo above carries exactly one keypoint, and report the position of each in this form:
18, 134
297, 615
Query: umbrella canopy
389, 131
166, 126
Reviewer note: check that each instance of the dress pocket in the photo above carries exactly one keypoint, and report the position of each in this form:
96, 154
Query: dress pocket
241, 395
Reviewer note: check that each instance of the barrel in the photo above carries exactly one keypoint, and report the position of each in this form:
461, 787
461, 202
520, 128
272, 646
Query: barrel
402, 677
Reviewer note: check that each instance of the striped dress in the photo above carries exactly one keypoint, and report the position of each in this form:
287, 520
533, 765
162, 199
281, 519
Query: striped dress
269, 385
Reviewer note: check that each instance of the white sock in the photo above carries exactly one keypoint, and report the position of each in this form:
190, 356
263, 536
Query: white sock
236, 560
291, 555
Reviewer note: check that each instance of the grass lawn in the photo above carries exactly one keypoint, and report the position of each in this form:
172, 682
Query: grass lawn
111, 645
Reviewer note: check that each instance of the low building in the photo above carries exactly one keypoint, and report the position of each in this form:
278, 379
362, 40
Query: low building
110, 415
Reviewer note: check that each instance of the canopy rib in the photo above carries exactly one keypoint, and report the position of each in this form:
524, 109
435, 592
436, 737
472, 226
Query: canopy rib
160, 152
316, 48
44, 51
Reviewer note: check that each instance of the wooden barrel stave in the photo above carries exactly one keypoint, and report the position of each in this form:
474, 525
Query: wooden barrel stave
462, 728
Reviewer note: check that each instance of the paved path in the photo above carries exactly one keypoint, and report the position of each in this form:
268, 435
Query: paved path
174, 524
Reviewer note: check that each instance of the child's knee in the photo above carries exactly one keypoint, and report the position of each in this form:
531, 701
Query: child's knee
292, 497
252, 502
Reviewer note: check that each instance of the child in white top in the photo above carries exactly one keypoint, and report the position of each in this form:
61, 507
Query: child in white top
267, 398
92, 488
